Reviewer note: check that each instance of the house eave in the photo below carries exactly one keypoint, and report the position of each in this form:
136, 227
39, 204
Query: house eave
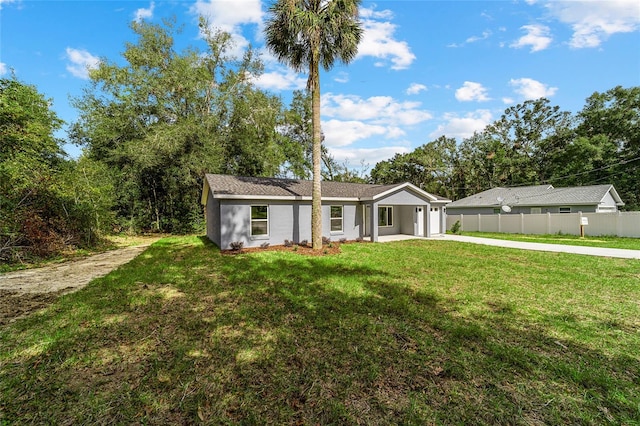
281, 197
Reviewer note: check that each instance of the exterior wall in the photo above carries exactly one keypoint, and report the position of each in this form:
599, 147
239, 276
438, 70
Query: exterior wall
287, 221
396, 218
608, 201
351, 221
212, 213
407, 222
403, 197
622, 224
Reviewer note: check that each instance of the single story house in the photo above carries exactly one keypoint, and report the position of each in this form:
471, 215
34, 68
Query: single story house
258, 210
539, 199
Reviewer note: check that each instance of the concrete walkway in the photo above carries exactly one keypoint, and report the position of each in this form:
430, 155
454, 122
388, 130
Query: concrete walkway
556, 248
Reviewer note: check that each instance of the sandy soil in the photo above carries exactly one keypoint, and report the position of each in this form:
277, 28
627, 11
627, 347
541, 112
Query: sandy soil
22, 292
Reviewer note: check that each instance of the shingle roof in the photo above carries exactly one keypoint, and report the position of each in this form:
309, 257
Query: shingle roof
541, 195
276, 187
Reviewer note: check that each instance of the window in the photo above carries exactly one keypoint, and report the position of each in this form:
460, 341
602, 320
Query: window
336, 218
259, 220
496, 211
536, 210
564, 209
385, 216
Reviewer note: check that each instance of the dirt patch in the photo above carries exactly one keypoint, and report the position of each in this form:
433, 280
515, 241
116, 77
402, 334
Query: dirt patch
23, 292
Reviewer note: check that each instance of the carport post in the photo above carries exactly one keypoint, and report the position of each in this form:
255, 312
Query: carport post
374, 222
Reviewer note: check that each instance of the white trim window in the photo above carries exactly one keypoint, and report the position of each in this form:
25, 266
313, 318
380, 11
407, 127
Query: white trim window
385, 216
337, 218
564, 209
536, 210
259, 220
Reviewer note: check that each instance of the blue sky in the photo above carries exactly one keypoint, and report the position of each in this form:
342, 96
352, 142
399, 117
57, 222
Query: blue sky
424, 68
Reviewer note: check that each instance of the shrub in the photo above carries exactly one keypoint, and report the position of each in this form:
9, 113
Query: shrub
343, 240
326, 240
303, 243
288, 243
264, 245
359, 240
236, 245
455, 229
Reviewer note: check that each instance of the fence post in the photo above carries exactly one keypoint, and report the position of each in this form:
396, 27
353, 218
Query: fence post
618, 224
522, 223
461, 222
499, 223
479, 222
548, 223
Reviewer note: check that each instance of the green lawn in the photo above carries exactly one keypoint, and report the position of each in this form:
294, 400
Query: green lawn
573, 240
413, 332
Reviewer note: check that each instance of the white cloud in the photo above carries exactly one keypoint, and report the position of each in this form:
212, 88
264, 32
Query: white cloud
463, 127
370, 156
415, 88
507, 100
377, 109
344, 133
485, 35
594, 21
342, 77
531, 89
3, 68
537, 37
230, 16
472, 91
81, 62
143, 13
378, 40
281, 79
6, 2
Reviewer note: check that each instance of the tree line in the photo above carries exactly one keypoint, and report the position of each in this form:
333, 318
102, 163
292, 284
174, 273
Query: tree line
153, 123
530, 144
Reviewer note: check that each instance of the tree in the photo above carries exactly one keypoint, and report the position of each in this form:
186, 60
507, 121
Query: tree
610, 123
47, 202
307, 34
164, 118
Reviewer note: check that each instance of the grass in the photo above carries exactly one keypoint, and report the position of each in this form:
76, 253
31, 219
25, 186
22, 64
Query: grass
413, 332
574, 240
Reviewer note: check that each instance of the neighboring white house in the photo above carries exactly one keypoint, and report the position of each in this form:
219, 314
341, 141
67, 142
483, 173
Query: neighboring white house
257, 210
539, 199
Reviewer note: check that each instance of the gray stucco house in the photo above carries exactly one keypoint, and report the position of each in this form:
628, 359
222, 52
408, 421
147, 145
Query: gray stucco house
539, 199
257, 210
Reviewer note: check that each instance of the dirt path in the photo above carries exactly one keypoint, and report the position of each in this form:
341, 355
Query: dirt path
22, 292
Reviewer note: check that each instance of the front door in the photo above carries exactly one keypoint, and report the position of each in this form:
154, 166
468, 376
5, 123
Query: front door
434, 220
418, 220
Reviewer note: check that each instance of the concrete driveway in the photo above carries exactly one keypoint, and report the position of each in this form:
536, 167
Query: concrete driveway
556, 248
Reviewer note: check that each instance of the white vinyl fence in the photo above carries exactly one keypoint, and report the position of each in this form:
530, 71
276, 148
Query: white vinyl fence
621, 224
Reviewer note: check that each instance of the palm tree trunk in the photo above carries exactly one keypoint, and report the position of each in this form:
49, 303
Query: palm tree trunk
316, 196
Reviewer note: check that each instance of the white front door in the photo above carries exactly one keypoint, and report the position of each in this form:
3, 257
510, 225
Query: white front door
434, 220
418, 220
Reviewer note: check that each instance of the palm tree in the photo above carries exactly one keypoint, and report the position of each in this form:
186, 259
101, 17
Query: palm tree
310, 33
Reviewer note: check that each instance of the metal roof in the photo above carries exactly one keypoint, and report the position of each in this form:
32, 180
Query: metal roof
540, 195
